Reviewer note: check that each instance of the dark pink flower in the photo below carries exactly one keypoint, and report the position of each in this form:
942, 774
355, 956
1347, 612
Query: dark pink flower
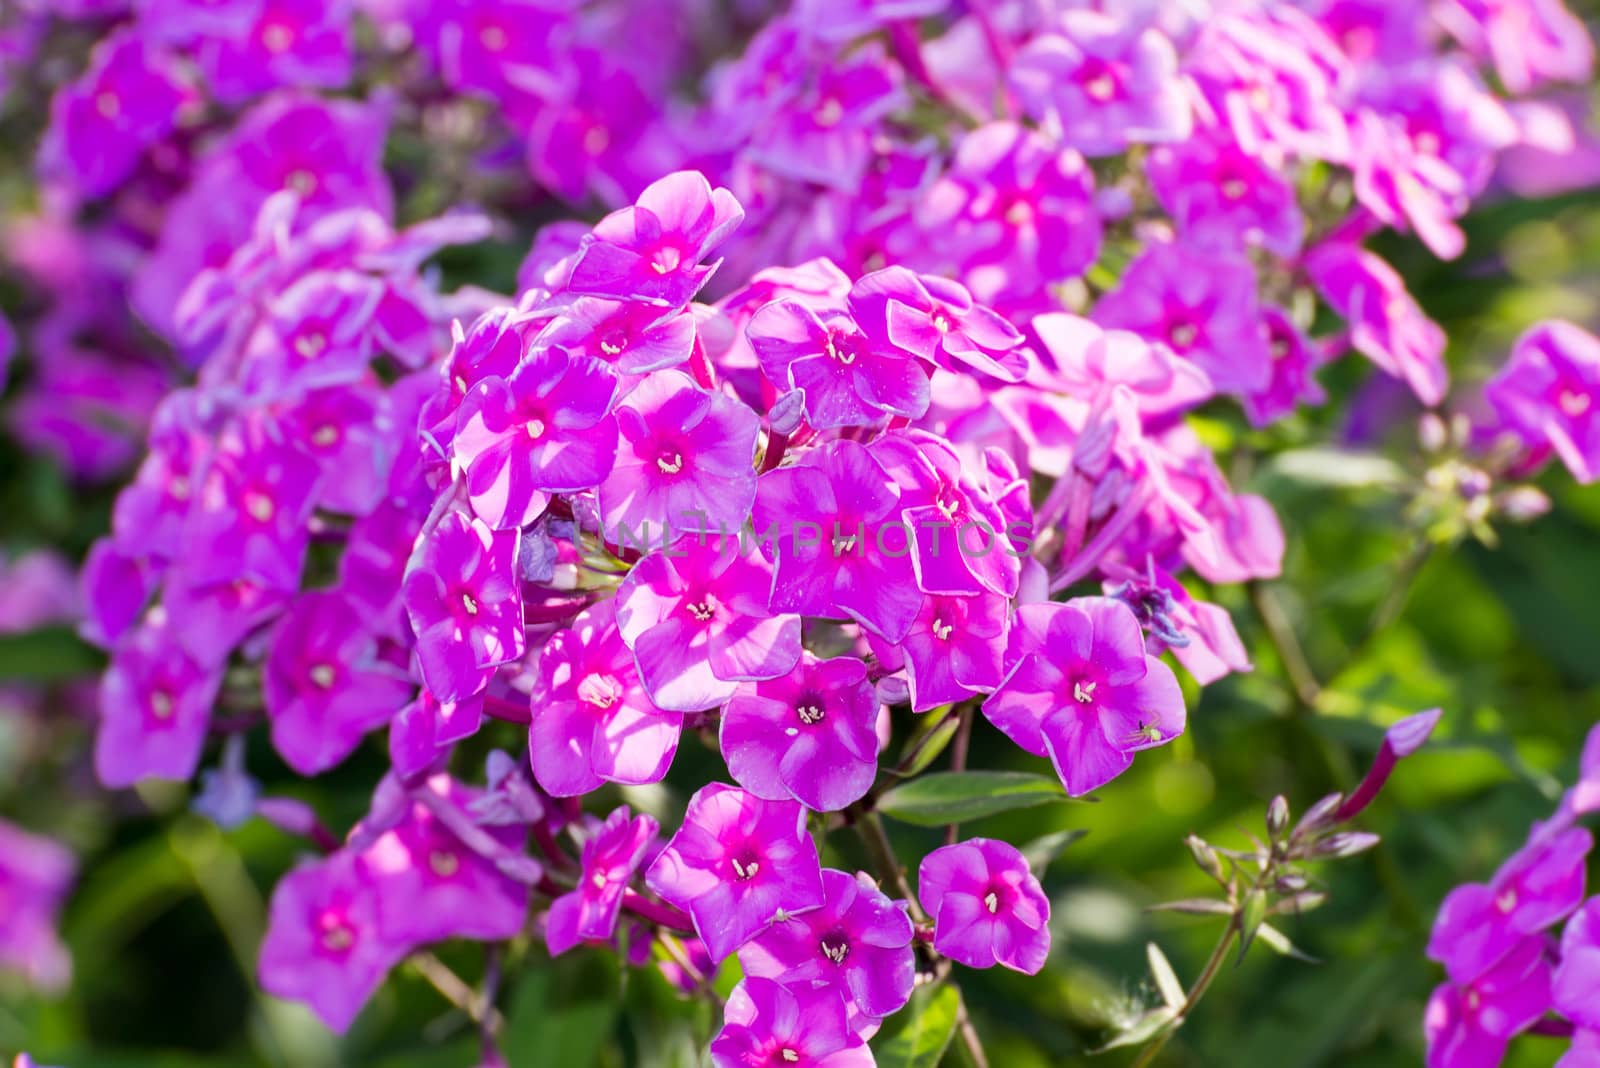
696, 618
611, 855
593, 722
736, 864
36, 874
1081, 689
987, 907
299, 43
1469, 1026
768, 1025
858, 943
849, 378
1386, 324
155, 706
809, 735
1221, 195
1548, 393
323, 945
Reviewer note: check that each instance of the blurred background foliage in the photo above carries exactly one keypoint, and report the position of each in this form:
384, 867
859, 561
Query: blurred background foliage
168, 911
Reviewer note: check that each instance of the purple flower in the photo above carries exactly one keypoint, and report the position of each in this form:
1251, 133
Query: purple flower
1081, 689
684, 461
1549, 393
1201, 636
1201, 305
155, 705
957, 533
1530, 42
463, 599
1221, 195
324, 683
1295, 359
654, 250
1011, 214
1577, 976
858, 943
427, 727
736, 864
937, 320
1541, 884
850, 557
593, 722
300, 43
769, 1025
432, 884
809, 735
1386, 325
323, 945
1469, 1026
1107, 81
633, 336
849, 378
546, 429
132, 96
36, 874
696, 618
986, 905
611, 855
1080, 358
955, 648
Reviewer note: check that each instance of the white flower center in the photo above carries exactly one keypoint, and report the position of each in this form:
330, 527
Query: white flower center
672, 466
991, 901
322, 675
1083, 692
942, 630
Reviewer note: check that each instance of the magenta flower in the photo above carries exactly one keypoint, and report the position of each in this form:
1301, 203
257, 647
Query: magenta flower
955, 648
1079, 357
1530, 42
849, 378
1201, 305
736, 864
1081, 689
1386, 325
634, 337
858, 943
324, 683
957, 533
593, 722
323, 945
611, 855
427, 727
772, 1025
463, 600
1012, 213
1221, 195
1539, 886
809, 735
937, 320
1107, 81
1401, 740
849, 557
155, 706
684, 461
546, 429
432, 884
654, 251
986, 905
299, 43
36, 874
1201, 636
1577, 976
132, 96
1549, 393
696, 618
1469, 1026
1295, 359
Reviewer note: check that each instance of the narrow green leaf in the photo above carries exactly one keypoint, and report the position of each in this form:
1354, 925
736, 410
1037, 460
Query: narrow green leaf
1342, 468
1250, 917
1043, 851
1279, 943
929, 1027
925, 746
956, 797
49, 654
1194, 906
1143, 1029
1166, 979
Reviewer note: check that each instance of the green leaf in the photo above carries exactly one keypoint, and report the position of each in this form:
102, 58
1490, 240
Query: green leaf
563, 1012
49, 654
1166, 979
1142, 1030
924, 747
1279, 943
1337, 467
1044, 851
1250, 917
958, 796
930, 1024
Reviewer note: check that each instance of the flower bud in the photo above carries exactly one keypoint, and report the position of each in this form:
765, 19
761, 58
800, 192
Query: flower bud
1205, 857
1277, 817
1344, 844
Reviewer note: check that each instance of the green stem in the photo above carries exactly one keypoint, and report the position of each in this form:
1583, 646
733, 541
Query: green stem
958, 762
1280, 632
870, 827
968, 1033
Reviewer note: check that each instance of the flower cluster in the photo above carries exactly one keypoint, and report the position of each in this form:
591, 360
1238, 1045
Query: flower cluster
1523, 946
863, 408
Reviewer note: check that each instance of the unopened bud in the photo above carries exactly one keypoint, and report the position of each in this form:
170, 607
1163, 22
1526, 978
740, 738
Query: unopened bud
1522, 504
1319, 815
1277, 817
1344, 844
1205, 857
1432, 433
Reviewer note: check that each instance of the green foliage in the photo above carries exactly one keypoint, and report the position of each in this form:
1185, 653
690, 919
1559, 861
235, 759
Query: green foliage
939, 798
